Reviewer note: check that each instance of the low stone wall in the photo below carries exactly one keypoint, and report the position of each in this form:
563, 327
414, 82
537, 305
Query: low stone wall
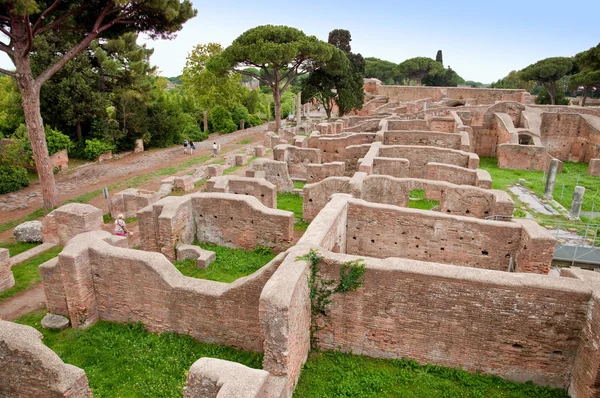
412, 93
458, 175
296, 158
454, 199
101, 281
30, 369
594, 169
333, 148
423, 138
457, 240
451, 316
7, 279
129, 201
273, 171
221, 218
407, 125
318, 172
261, 189
69, 220
522, 157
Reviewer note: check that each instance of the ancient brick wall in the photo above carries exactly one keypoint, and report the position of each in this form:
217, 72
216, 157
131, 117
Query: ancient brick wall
413, 125
116, 284
69, 220
485, 94
590, 128
30, 369
457, 317
441, 124
437, 237
594, 169
536, 248
409, 93
333, 148
423, 138
522, 157
563, 136
315, 196
368, 126
412, 93
394, 167
129, 201
418, 157
450, 173
328, 229
6, 277
273, 171
318, 172
261, 189
296, 158
586, 366
353, 154
220, 218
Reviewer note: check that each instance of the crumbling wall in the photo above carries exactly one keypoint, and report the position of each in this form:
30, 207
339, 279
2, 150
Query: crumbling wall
316, 195
522, 157
423, 138
318, 172
101, 281
441, 124
220, 218
333, 148
451, 316
296, 158
437, 237
273, 171
129, 201
458, 175
407, 125
7, 279
261, 189
419, 156
69, 220
30, 369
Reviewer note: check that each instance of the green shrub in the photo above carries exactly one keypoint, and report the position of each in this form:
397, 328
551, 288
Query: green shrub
238, 113
12, 178
94, 148
221, 121
543, 97
191, 130
55, 140
253, 120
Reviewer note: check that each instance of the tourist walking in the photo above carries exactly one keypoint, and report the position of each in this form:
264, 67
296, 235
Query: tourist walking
192, 147
185, 146
120, 227
215, 149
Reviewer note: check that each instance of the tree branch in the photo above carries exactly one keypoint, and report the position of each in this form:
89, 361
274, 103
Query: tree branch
29, 35
62, 18
242, 72
6, 32
8, 73
7, 49
44, 14
50, 71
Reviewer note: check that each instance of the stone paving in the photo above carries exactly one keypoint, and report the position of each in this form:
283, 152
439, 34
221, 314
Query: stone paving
95, 173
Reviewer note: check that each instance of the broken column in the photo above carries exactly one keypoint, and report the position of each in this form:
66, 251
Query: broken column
551, 179
205, 116
299, 108
577, 202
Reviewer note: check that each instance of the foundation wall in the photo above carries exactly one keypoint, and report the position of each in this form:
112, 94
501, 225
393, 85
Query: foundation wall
418, 157
261, 189
423, 138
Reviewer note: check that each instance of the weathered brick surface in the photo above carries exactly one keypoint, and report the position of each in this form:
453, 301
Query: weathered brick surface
394, 167
241, 159
224, 219
273, 171
129, 201
451, 173
381, 231
126, 285
260, 188
594, 169
522, 157
333, 149
518, 326
60, 160
411, 93
315, 196
423, 138
30, 369
318, 172
69, 220
215, 170
586, 366
7, 279
296, 158
419, 156
441, 124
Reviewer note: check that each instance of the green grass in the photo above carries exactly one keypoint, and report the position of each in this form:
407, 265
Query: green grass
423, 204
334, 374
18, 247
244, 141
30, 217
27, 274
231, 264
232, 169
299, 184
125, 360
292, 202
417, 194
501, 178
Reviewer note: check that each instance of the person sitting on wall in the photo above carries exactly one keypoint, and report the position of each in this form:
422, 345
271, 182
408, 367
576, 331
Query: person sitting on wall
120, 227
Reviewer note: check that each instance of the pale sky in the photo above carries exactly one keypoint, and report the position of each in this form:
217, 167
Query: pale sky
482, 40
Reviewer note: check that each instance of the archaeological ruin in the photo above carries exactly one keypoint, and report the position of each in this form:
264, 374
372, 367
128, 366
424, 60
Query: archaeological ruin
461, 284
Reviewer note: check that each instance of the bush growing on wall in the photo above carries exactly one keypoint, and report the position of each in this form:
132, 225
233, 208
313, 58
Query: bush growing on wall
12, 178
94, 148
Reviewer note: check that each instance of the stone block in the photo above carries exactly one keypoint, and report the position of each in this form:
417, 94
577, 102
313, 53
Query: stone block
7, 279
594, 168
55, 322
70, 220
229, 161
260, 151
30, 231
139, 146
215, 170
185, 183
129, 201
205, 259
105, 156
241, 159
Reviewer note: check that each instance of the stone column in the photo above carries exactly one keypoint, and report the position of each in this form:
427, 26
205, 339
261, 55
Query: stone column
577, 202
242, 124
551, 179
299, 107
293, 104
205, 115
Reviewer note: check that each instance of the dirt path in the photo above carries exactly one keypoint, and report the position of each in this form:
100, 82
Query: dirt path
88, 178
23, 303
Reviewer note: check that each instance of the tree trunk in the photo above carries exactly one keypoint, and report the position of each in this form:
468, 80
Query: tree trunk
277, 107
78, 131
551, 87
584, 96
30, 94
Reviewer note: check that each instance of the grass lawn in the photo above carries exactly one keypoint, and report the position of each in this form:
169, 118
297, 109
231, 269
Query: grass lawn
125, 360
292, 202
417, 200
18, 247
231, 264
333, 374
299, 184
501, 178
27, 274
245, 141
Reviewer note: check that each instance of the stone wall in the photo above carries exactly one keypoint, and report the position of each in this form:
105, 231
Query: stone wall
273, 171
571, 136
60, 160
594, 169
458, 175
412, 93
451, 316
30, 369
261, 189
221, 218
423, 138
430, 236
296, 158
522, 157
408, 125
333, 148
7, 279
101, 281
129, 201
69, 220
318, 172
